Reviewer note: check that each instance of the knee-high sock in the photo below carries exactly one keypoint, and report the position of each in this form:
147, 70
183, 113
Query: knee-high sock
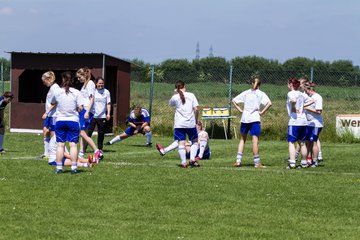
203, 144
1, 141
171, 147
148, 136
182, 154
115, 139
193, 150
46, 146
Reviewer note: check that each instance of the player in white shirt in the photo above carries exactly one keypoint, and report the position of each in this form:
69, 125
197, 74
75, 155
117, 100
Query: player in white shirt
48, 79
102, 106
81, 162
315, 122
67, 129
186, 116
87, 114
295, 104
255, 103
203, 151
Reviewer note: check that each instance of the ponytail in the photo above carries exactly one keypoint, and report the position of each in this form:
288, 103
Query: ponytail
178, 86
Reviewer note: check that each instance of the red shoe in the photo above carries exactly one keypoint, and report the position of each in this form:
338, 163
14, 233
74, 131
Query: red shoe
97, 155
185, 165
160, 149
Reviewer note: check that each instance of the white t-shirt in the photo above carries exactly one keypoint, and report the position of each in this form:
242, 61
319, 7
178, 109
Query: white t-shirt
101, 100
49, 96
297, 118
253, 100
184, 113
87, 92
67, 104
314, 119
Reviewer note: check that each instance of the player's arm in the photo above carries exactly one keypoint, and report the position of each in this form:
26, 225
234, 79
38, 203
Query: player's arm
267, 106
237, 106
53, 105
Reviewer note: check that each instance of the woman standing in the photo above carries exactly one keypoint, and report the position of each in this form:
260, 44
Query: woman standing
102, 106
315, 122
186, 116
297, 123
48, 79
67, 129
253, 99
4, 101
88, 92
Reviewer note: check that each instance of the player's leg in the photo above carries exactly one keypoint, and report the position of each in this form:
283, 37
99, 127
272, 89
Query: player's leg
148, 135
244, 129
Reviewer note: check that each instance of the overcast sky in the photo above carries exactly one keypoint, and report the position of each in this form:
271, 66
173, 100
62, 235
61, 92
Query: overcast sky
156, 30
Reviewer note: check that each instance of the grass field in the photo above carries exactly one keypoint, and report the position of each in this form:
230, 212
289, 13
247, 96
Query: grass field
136, 194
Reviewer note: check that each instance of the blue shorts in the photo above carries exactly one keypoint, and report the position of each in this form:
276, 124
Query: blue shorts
206, 154
67, 131
130, 131
85, 123
312, 133
254, 128
49, 123
180, 134
296, 133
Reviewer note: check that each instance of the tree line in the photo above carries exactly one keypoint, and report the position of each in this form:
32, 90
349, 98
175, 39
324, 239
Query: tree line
339, 72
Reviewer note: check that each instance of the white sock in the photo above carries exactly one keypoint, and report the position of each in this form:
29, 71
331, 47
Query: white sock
182, 154
171, 147
1, 141
115, 139
148, 137
46, 146
59, 166
320, 155
256, 159
73, 166
239, 157
203, 144
193, 150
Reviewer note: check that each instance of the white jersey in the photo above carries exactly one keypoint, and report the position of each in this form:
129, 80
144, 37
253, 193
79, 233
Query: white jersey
297, 118
315, 119
86, 93
50, 96
52, 149
253, 100
67, 104
184, 113
101, 100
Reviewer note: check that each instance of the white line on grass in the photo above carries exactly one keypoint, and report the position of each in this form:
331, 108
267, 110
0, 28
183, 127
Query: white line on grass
171, 165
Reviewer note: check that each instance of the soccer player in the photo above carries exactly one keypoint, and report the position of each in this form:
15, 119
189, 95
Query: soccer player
67, 129
186, 116
255, 103
48, 79
102, 106
139, 121
315, 122
87, 114
81, 162
297, 123
203, 151
4, 101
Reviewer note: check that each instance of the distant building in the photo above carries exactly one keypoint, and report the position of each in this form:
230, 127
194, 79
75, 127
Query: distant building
27, 68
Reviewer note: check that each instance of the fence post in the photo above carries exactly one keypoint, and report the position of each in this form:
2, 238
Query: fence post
311, 74
2, 77
229, 100
151, 90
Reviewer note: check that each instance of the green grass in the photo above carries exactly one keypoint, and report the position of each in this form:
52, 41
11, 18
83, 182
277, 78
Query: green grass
136, 194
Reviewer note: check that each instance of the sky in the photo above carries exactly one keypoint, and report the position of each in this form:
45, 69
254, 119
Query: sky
157, 30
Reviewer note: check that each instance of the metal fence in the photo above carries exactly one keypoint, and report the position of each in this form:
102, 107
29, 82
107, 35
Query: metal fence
216, 88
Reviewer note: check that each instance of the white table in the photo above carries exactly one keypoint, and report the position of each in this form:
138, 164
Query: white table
212, 118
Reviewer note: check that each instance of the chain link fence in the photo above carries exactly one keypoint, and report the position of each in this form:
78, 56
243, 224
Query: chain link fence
216, 88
